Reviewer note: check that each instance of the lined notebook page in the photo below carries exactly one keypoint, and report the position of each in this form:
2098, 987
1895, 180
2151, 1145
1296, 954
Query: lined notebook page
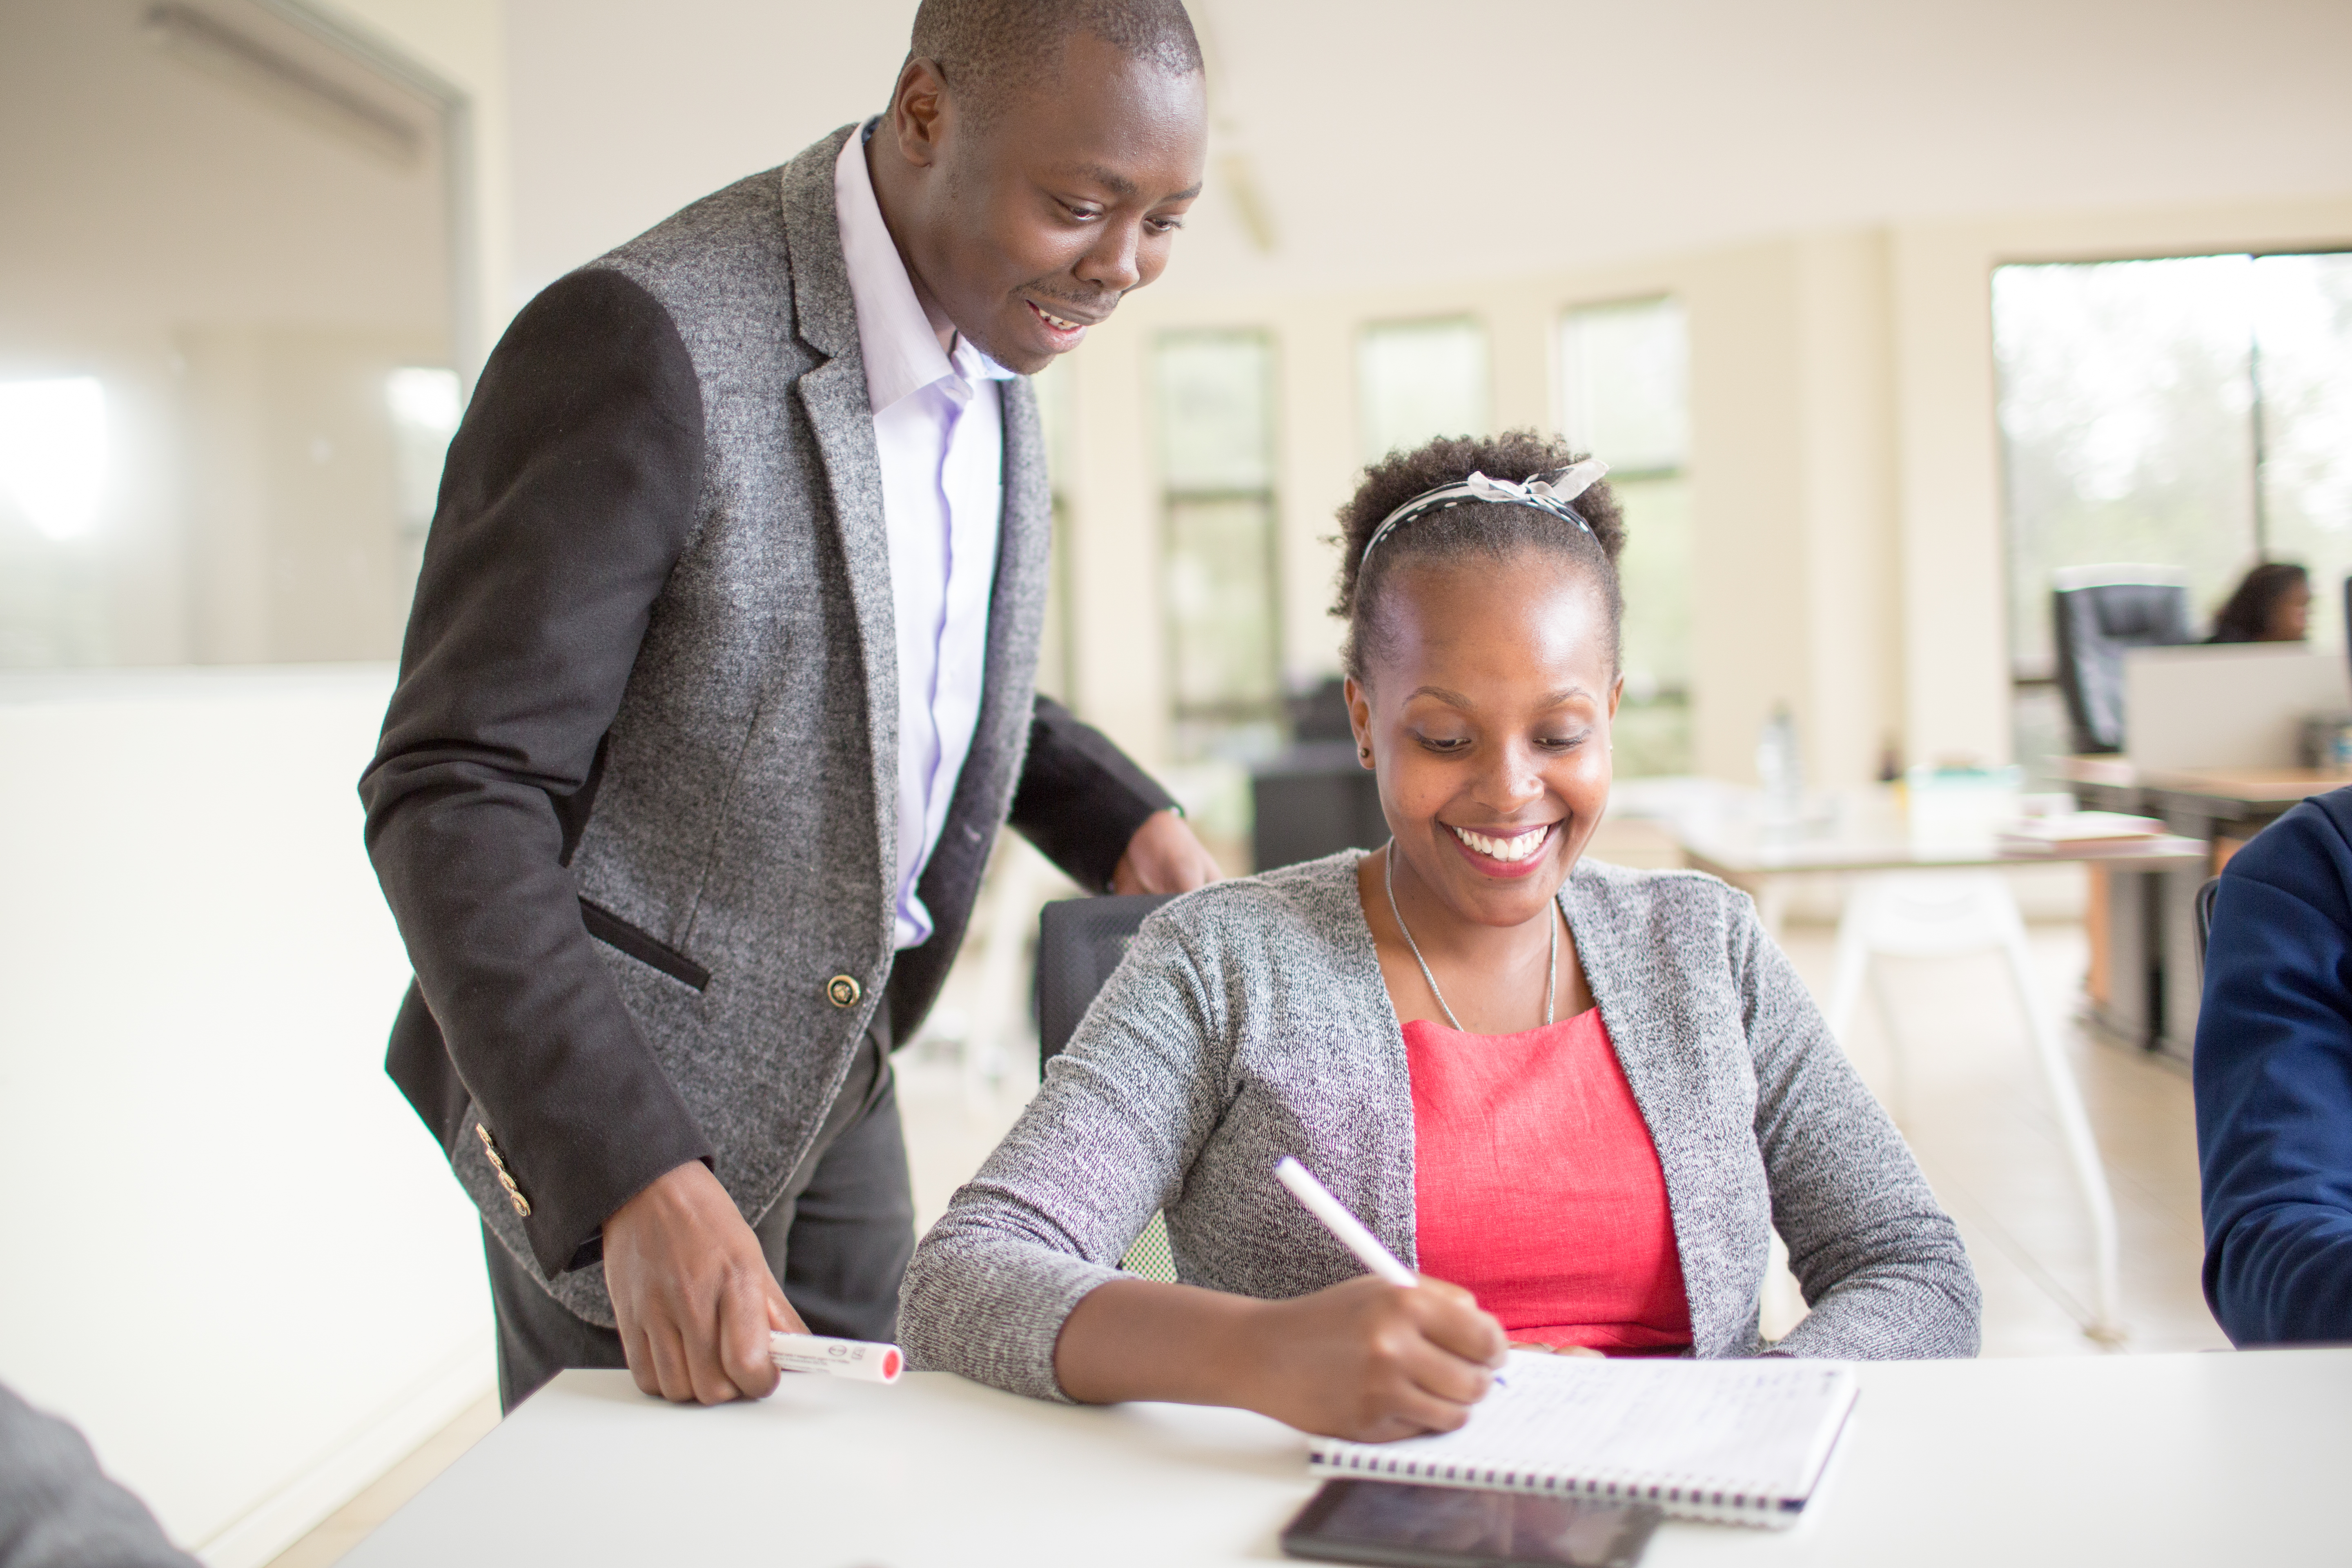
1698, 1433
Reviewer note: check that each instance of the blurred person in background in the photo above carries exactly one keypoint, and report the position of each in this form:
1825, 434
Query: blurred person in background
2272, 603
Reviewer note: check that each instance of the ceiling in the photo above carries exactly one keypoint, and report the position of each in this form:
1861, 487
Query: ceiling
1397, 141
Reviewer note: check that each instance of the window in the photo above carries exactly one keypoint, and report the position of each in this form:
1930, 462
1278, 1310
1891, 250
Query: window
1624, 397
53, 453
1214, 402
425, 405
2194, 412
1419, 379
53, 470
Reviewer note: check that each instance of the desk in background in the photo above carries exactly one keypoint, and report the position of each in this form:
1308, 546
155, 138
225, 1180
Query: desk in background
1722, 830
1719, 827
2191, 1460
2146, 981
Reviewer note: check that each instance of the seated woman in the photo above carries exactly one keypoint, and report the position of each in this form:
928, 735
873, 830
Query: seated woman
2271, 604
1577, 1098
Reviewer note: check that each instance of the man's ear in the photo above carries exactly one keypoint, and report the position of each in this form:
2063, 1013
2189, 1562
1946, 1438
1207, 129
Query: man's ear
1360, 719
919, 110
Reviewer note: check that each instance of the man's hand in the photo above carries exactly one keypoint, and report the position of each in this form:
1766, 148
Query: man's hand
1163, 858
692, 1292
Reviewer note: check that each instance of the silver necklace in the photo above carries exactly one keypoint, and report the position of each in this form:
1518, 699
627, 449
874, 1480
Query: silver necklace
1551, 972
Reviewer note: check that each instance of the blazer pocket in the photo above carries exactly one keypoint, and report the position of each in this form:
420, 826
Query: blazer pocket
646, 949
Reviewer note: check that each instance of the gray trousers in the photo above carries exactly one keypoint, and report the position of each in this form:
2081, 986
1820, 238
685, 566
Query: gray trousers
838, 1240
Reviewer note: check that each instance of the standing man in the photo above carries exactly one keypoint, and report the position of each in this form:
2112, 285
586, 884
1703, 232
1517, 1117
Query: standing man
720, 680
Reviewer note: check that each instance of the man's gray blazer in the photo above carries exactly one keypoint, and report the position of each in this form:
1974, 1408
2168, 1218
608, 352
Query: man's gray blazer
634, 807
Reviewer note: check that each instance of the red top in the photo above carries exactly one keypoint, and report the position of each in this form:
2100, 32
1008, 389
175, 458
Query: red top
1536, 1186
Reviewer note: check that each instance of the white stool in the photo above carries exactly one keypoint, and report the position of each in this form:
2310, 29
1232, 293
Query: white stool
1935, 914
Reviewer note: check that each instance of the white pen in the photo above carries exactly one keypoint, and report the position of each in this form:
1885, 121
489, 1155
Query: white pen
859, 1359
1317, 1199
1349, 1231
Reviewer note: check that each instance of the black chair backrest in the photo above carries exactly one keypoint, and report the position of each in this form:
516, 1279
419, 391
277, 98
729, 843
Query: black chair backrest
1310, 800
2094, 623
1079, 942
2205, 895
1320, 712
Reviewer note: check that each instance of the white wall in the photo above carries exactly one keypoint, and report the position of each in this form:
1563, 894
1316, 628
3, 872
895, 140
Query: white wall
233, 1256
1848, 555
1397, 145
1828, 188
464, 42
624, 113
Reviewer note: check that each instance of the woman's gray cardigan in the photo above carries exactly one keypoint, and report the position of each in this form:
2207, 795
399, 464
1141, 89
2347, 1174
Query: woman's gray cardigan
1249, 1021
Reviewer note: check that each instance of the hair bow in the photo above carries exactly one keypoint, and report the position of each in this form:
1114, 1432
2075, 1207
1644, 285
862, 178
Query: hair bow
1553, 493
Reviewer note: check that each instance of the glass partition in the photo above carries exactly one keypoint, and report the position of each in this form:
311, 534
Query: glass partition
230, 297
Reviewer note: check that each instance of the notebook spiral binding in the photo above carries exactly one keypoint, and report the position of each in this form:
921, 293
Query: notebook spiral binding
1683, 1497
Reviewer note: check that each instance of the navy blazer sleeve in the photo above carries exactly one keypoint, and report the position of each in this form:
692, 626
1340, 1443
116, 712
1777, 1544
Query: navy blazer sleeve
2274, 1078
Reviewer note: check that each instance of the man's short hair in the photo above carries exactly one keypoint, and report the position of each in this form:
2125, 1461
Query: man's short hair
990, 52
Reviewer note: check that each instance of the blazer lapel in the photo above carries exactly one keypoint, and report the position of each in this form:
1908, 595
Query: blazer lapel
1023, 547
840, 412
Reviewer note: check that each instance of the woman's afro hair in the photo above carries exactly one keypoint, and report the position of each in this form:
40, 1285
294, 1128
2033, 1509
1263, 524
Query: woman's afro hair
1493, 531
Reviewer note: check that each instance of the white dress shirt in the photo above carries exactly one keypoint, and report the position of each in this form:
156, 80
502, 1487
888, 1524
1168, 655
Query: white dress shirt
940, 428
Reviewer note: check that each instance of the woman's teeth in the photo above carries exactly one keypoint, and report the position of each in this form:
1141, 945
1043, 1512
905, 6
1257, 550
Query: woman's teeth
1514, 848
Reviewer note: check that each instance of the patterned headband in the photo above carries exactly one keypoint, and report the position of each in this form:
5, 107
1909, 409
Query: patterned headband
1546, 492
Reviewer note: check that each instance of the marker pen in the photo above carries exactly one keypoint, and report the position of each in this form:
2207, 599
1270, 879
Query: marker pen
856, 1359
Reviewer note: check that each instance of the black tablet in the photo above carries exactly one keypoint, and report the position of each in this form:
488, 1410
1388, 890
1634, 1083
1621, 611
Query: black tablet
1390, 1522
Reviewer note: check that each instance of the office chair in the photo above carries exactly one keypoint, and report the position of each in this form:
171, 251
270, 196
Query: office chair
1079, 942
1313, 797
1320, 712
2096, 613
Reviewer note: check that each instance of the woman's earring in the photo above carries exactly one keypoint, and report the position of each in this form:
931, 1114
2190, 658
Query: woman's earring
1365, 752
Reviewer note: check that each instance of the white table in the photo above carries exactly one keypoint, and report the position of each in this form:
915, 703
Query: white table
2208, 1461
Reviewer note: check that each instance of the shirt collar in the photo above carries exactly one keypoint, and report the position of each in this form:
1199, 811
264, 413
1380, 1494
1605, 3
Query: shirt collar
902, 353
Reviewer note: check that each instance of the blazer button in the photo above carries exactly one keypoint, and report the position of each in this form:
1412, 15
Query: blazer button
842, 991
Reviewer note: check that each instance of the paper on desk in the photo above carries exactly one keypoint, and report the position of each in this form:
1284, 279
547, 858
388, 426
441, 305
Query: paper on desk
2079, 830
1762, 1430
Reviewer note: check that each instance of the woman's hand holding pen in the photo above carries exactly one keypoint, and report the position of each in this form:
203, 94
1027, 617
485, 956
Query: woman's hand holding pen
1370, 1362
1366, 1359
1389, 1355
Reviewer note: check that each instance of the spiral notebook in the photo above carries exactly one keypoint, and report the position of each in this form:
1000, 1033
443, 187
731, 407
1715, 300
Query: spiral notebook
1742, 1442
